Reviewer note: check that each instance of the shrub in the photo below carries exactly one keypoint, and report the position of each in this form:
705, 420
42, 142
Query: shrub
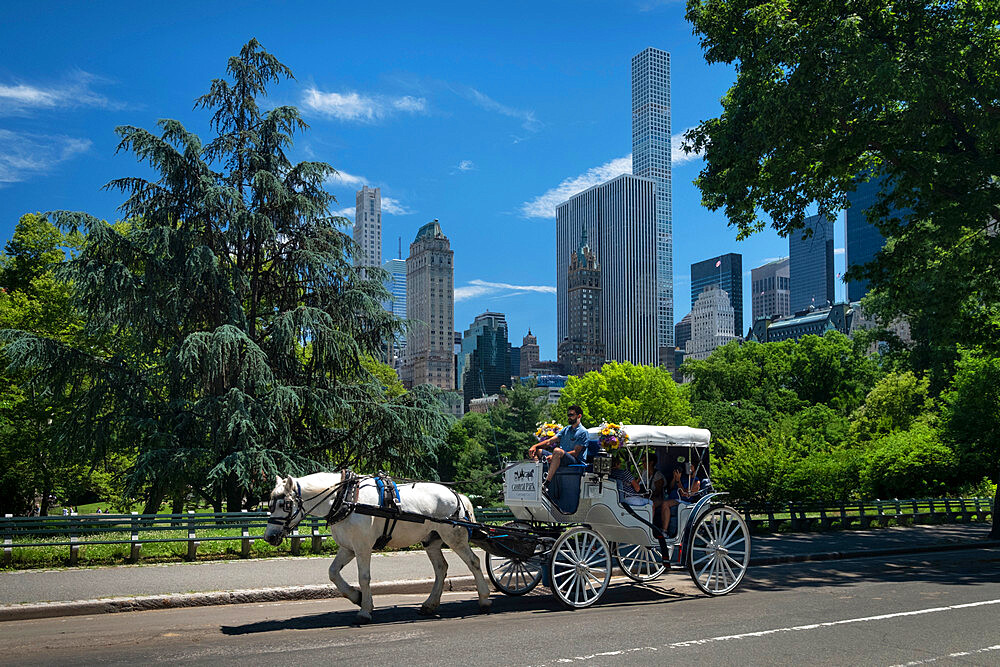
912, 463
824, 476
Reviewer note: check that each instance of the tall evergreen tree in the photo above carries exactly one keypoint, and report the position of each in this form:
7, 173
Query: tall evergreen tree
241, 327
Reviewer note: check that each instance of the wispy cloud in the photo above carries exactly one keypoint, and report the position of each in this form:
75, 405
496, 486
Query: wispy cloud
480, 288
393, 206
343, 178
838, 251
18, 98
466, 165
526, 116
544, 205
358, 107
24, 155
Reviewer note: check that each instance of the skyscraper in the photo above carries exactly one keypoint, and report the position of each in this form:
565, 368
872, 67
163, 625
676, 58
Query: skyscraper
583, 350
726, 273
430, 305
486, 357
651, 159
529, 354
862, 240
769, 286
368, 226
396, 284
619, 217
682, 331
810, 265
711, 323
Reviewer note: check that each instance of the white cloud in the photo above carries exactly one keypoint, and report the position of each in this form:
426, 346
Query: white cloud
838, 251
478, 288
20, 98
359, 107
24, 155
346, 212
526, 116
393, 206
346, 179
544, 206
466, 165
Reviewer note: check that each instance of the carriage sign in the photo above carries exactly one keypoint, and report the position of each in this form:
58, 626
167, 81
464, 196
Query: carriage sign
523, 482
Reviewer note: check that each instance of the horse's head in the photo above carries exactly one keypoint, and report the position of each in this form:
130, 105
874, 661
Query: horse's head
286, 510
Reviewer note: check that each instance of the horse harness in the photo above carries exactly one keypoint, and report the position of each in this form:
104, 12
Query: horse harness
345, 502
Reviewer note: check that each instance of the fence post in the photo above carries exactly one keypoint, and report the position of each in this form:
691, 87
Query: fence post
192, 552
317, 539
296, 541
135, 547
74, 548
8, 540
245, 535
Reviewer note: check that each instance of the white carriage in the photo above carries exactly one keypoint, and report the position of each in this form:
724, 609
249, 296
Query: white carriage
570, 536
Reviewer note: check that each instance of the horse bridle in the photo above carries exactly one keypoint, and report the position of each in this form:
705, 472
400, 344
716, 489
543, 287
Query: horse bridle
347, 479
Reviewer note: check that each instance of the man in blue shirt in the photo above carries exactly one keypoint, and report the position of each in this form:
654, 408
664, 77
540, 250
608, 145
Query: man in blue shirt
572, 441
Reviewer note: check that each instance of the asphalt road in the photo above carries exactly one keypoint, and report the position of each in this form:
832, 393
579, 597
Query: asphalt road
942, 608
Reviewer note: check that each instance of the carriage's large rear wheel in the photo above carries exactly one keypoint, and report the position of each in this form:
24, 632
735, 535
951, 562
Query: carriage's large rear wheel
580, 567
639, 563
719, 550
514, 576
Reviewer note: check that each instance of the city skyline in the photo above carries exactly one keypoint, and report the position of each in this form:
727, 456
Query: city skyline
484, 138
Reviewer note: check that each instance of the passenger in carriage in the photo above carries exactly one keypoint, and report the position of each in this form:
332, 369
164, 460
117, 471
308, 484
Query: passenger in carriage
628, 484
680, 488
571, 440
653, 482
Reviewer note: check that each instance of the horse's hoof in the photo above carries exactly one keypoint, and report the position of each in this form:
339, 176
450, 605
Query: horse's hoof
427, 611
485, 608
363, 620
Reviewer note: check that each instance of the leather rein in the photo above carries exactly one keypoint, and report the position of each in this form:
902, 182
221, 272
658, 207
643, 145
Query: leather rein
339, 510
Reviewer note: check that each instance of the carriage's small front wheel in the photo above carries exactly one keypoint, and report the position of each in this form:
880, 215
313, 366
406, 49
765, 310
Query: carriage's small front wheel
514, 576
580, 567
639, 563
719, 550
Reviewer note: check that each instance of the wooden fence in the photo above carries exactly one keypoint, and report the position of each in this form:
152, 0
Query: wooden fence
134, 530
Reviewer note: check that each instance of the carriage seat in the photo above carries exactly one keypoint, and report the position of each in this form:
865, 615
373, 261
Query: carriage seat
564, 490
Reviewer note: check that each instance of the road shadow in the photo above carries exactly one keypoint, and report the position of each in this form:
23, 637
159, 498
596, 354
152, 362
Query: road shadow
540, 601
970, 568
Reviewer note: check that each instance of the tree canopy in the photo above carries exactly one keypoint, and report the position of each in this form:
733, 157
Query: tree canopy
829, 94
239, 326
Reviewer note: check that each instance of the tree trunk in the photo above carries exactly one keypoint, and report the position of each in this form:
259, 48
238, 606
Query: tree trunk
154, 500
234, 495
177, 502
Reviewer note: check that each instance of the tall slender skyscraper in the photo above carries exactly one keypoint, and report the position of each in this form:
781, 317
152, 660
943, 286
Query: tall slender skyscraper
396, 284
862, 239
583, 350
810, 265
651, 159
769, 285
368, 226
430, 305
485, 356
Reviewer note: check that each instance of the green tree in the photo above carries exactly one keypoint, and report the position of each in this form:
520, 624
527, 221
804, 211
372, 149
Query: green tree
624, 393
830, 93
240, 323
909, 464
894, 404
971, 419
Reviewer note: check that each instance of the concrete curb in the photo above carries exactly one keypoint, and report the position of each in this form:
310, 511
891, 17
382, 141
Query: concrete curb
465, 583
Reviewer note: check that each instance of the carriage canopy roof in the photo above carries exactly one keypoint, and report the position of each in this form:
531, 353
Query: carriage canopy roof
640, 435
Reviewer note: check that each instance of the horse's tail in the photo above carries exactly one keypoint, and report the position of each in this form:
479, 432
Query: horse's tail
466, 507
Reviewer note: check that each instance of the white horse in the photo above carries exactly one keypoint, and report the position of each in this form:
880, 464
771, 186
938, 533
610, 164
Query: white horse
356, 534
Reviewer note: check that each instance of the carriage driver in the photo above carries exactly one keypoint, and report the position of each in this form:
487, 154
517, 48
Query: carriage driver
572, 441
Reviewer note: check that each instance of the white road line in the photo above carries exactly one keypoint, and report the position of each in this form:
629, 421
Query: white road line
794, 628
960, 654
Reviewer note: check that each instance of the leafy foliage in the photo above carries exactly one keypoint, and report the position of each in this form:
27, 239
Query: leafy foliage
240, 326
627, 394
908, 464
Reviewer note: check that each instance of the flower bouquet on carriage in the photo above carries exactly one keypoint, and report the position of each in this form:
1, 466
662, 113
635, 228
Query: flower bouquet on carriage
613, 436
547, 430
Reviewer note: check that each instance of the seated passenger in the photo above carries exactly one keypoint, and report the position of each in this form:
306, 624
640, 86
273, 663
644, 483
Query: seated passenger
572, 441
680, 487
627, 483
653, 482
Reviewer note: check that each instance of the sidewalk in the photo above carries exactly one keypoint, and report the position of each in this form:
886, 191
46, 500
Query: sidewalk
38, 593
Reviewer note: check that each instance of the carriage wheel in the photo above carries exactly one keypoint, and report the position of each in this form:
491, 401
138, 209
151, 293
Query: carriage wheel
580, 567
719, 550
638, 562
513, 576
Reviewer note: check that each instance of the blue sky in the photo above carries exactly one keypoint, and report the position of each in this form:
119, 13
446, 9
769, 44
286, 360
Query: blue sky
483, 116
